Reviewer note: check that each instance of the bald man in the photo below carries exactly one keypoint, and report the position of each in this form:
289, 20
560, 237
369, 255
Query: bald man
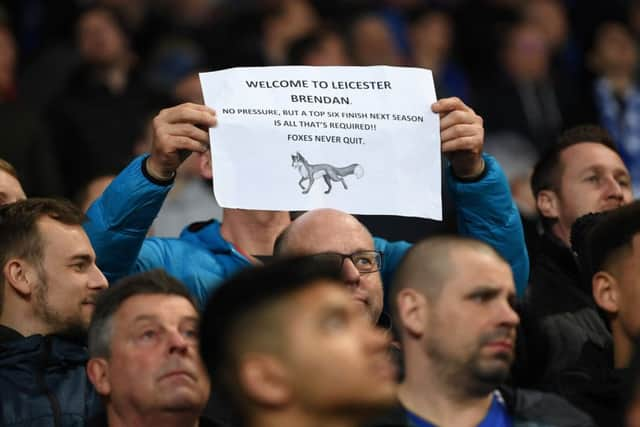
452, 301
334, 234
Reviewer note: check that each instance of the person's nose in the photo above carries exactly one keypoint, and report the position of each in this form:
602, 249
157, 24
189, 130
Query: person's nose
350, 273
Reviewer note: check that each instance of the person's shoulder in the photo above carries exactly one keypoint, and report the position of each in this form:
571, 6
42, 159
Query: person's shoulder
543, 408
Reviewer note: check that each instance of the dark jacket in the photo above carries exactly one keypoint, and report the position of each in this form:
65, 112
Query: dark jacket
564, 344
43, 381
527, 407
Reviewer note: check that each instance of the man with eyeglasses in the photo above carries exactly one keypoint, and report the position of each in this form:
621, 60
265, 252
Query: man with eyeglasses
335, 235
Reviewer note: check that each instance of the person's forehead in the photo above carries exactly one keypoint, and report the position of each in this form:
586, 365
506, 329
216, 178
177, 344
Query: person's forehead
342, 234
587, 154
474, 269
62, 238
320, 297
161, 308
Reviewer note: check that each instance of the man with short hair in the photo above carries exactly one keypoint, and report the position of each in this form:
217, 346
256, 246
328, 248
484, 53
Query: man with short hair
143, 344
10, 187
608, 251
48, 289
582, 173
453, 306
286, 346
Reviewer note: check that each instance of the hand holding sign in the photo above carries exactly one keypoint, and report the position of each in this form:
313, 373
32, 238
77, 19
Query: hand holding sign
176, 134
462, 136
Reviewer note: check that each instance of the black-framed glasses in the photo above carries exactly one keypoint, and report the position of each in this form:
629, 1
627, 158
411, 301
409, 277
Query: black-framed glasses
364, 261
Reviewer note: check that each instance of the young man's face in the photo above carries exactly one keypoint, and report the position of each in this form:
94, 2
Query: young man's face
593, 179
627, 273
154, 363
337, 359
68, 278
471, 325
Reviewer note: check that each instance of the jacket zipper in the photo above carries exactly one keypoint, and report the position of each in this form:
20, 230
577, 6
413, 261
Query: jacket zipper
55, 405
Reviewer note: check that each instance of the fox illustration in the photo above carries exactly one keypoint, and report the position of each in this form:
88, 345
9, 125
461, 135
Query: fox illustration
328, 172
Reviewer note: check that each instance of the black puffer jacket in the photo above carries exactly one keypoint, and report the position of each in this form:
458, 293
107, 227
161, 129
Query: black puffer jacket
43, 382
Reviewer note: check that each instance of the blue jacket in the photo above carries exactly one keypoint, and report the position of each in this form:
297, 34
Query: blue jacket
43, 382
201, 258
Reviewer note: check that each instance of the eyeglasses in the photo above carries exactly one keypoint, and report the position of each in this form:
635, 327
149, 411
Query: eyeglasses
364, 261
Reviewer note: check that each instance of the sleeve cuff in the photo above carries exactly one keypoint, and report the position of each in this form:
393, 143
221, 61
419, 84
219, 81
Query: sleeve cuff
160, 182
480, 177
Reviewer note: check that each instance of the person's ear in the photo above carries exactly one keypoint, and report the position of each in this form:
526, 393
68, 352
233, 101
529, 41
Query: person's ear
98, 373
605, 292
265, 380
204, 165
547, 203
412, 311
21, 276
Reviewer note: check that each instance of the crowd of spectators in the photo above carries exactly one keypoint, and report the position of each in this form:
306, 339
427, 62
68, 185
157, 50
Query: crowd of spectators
129, 297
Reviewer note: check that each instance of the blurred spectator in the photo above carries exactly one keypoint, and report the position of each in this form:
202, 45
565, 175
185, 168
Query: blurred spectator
24, 141
550, 17
527, 99
371, 41
96, 119
320, 47
283, 23
10, 188
614, 59
431, 33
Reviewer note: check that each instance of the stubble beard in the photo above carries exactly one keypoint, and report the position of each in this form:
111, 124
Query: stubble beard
72, 325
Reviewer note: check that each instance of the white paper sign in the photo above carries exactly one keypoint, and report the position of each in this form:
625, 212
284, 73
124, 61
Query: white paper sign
360, 139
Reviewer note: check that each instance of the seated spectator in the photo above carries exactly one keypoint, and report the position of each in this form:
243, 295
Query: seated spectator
49, 286
143, 344
96, 119
616, 92
371, 41
320, 47
216, 250
10, 188
285, 346
25, 143
582, 173
608, 253
448, 284
431, 33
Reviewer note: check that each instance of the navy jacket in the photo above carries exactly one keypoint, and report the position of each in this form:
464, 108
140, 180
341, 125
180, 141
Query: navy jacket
43, 382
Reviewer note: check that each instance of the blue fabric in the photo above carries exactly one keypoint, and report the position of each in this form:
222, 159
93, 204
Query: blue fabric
119, 220
496, 417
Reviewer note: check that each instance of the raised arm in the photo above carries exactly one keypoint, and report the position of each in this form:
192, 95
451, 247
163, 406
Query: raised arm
120, 219
484, 206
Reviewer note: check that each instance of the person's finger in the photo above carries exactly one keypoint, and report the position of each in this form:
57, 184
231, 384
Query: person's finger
458, 131
449, 104
188, 113
188, 130
184, 143
459, 117
466, 143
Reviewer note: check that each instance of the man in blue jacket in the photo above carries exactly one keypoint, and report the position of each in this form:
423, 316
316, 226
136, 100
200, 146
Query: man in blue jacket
208, 252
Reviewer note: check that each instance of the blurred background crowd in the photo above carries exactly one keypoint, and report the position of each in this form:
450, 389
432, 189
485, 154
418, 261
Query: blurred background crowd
81, 79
